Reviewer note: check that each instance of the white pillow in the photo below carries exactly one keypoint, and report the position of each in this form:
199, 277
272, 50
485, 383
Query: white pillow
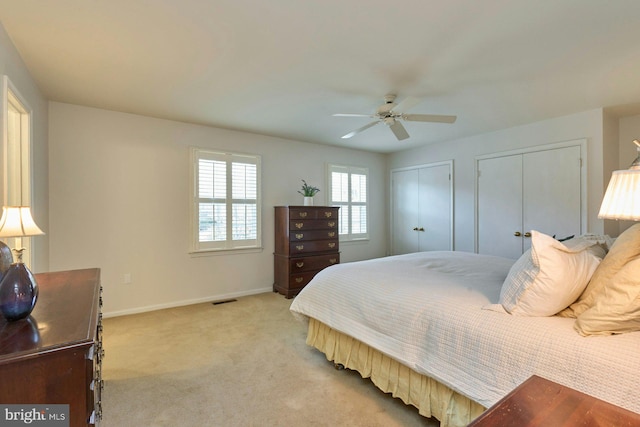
548, 277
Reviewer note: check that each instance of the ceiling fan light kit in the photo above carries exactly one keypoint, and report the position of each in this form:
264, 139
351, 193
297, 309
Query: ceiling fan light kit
391, 113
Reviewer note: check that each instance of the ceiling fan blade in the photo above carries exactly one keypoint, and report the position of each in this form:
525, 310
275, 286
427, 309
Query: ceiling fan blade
428, 118
352, 115
357, 131
399, 131
406, 104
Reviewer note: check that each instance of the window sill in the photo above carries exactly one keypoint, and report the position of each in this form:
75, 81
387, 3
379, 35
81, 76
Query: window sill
354, 241
214, 252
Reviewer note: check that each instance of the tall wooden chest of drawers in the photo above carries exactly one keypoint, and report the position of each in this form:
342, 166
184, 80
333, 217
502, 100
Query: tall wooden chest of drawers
306, 242
55, 355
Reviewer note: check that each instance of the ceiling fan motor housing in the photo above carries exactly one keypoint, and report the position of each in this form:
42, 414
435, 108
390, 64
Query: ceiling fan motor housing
385, 110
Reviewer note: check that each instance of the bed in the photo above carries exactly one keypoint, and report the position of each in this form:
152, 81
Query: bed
429, 329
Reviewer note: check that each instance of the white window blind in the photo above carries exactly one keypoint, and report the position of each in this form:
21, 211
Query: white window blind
226, 201
349, 186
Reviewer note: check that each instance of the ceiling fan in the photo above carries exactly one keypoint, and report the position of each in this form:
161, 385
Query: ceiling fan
391, 113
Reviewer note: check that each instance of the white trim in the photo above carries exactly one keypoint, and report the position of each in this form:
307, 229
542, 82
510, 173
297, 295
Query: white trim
214, 252
212, 298
195, 247
26, 192
535, 148
7, 85
351, 170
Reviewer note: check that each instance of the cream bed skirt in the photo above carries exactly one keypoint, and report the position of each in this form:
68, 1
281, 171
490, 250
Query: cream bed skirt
432, 398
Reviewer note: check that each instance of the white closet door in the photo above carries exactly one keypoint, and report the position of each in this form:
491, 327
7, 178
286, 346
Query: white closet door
538, 190
421, 209
405, 205
434, 223
551, 186
500, 206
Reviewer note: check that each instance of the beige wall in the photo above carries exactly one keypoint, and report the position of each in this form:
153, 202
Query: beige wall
588, 124
628, 131
119, 201
11, 65
110, 190
610, 162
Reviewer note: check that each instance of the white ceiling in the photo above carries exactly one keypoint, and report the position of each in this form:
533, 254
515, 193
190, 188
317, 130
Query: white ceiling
283, 67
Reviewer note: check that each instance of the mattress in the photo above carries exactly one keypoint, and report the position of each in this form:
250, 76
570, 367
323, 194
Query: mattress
426, 310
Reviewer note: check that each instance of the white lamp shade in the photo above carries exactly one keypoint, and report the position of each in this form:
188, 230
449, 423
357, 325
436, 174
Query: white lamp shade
622, 198
16, 221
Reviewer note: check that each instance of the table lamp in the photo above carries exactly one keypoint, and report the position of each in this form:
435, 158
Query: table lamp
18, 288
622, 198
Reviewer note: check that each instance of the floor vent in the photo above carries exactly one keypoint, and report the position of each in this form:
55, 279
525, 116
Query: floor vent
224, 301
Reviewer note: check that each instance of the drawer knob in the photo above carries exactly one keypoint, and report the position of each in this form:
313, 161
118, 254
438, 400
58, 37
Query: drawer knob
331, 224
332, 245
299, 264
333, 261
299, 279
328, 214
331, 234
299, 236
299, 225
303, 214
299, 247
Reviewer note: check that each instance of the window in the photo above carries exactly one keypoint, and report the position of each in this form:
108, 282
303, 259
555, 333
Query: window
17, 159
226, 201
348, 186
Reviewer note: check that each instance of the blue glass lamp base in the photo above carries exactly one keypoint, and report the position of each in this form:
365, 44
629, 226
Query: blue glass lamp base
18, 292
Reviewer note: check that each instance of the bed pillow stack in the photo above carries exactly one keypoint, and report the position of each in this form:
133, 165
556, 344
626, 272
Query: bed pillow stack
549, 276
611, 302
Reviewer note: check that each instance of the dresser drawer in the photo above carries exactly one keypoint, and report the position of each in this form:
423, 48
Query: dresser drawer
301, 236
299, 280
313, 224
313, 263
314, 246
313, 213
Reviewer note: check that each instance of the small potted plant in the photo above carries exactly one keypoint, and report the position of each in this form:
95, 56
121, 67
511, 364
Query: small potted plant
308, 192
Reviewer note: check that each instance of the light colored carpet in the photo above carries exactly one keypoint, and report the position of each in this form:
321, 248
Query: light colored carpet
243, 363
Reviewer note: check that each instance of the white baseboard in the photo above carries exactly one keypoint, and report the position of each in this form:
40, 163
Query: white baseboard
186, 302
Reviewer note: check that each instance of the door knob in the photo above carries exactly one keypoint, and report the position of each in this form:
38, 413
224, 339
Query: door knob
415, 228
421, 229
527, 234
517, 234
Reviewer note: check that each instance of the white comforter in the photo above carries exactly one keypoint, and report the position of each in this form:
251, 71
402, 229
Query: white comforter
426, 311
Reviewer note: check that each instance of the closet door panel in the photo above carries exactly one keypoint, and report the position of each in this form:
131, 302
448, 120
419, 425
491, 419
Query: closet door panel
552, 193
421, 209
435, 208
499, 206
405, 207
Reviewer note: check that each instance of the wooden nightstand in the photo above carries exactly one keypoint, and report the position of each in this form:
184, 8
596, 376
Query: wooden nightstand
543, 403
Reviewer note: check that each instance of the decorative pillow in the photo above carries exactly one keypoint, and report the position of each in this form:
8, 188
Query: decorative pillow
617, 308
594, 246
548, 277
625, 248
